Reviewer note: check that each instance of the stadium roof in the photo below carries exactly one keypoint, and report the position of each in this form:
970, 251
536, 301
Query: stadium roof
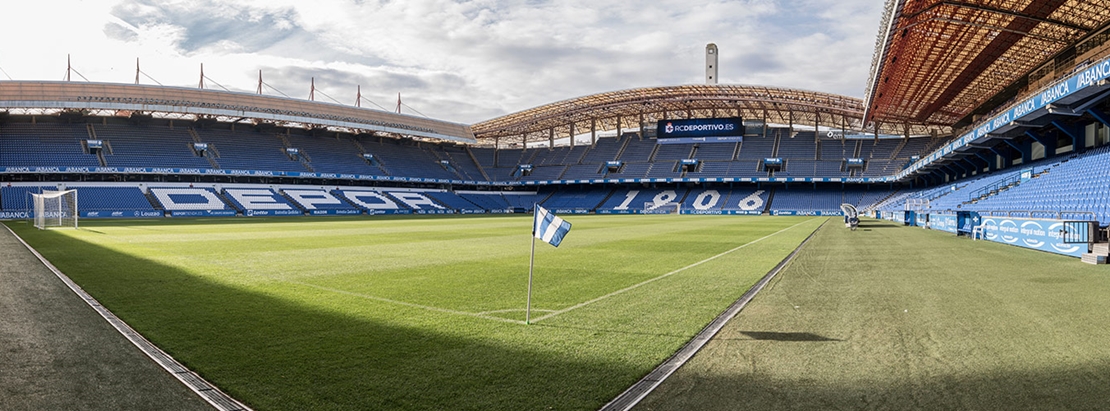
628, 108
940, 62
34, 97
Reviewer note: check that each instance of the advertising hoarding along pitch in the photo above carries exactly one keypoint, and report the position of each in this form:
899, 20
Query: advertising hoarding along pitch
701, 130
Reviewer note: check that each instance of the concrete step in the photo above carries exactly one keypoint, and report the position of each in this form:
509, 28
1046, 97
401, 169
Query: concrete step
1100, 249
1091, 258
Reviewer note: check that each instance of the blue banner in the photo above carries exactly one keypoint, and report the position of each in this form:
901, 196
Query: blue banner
807, 212
123, 214
943, 222
701, 130
335, 212
202, 213
1043, 235
272, 213
1086, 78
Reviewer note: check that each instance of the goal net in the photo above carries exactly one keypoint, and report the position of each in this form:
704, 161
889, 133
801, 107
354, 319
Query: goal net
665, 208
55, 209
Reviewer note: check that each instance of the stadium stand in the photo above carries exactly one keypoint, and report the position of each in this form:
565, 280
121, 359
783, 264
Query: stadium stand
36, 145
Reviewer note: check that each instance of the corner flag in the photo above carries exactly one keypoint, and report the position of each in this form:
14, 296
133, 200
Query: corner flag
549, 227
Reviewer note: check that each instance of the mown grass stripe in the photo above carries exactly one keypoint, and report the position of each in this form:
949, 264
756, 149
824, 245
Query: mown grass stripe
651, 280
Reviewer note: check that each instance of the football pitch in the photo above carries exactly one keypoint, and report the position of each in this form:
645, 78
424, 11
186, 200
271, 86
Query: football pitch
420, 312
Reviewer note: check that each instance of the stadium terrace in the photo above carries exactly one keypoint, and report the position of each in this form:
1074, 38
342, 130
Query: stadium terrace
983, 120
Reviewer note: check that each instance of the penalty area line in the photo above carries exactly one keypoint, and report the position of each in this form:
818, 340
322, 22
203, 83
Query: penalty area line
403, 303
651, 280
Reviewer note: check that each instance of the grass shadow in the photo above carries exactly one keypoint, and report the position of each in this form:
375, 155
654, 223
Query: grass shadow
786, 336
275, 354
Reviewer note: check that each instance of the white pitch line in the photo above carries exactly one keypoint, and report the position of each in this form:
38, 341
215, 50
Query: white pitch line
635, 286
406, 304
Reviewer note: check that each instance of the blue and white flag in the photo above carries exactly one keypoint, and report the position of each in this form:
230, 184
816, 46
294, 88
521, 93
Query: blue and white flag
549, 227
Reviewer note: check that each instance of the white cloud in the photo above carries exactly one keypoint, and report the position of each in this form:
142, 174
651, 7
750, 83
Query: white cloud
458, 60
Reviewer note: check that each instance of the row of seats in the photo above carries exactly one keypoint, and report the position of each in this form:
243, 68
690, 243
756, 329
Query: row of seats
1075, 187
127, 145
312, 200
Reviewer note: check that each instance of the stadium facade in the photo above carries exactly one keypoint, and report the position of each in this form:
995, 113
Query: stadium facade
987, 115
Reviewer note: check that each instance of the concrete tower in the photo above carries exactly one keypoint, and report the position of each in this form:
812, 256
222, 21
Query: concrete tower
710, 63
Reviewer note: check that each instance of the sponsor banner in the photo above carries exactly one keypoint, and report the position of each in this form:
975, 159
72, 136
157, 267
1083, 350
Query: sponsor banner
387, 212
16, 215
570, 211
1043, 235
433, 211
501, 211
610, 211
1088, 77
202, 213
123, 214
807, 212
701, 130
721, 212
473, 211
272, 213
919, 220
334, 212
943, 222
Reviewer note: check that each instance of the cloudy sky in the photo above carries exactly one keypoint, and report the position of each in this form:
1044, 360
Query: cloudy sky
458, 60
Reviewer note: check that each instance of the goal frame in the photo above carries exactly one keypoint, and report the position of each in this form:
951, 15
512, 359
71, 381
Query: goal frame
665, 208
55, 209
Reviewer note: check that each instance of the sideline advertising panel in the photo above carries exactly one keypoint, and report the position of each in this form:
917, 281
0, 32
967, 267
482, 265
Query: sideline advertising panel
1043, 235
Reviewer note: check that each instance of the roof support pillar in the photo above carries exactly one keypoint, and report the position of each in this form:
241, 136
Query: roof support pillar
618, 126
1077, 142
975, 167
991, 159
1048, 143
641, 125
551, 137
816, 125
1007, 157
593, 131
764, 123
1100, 116
572, 134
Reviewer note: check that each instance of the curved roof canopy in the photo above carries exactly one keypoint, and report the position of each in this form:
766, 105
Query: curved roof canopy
189, 103
630, 108
939, 62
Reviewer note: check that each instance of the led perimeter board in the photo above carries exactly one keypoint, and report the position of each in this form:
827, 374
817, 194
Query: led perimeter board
701, 130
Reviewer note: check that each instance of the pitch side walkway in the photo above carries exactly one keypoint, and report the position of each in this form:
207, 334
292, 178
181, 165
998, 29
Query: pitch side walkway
57, 353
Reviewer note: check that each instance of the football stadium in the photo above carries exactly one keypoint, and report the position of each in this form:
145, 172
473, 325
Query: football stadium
937, 244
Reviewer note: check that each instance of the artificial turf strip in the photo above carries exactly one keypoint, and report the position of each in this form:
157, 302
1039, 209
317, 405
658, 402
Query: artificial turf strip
418, 313
888, 317
56, 353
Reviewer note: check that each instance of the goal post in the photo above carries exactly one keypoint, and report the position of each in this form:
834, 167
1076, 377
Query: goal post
665, 208
55, 209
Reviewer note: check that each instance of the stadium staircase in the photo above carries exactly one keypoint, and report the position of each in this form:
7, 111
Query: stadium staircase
100, 153
1000, 187
290, 201
770, 200
1098, 255
153, 201
211, 154
477, 164
228, 202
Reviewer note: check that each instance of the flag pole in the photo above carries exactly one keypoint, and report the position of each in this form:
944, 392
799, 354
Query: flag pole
531, 264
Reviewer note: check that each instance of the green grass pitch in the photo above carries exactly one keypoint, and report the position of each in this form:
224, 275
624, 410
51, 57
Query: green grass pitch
898, 318
420, 312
